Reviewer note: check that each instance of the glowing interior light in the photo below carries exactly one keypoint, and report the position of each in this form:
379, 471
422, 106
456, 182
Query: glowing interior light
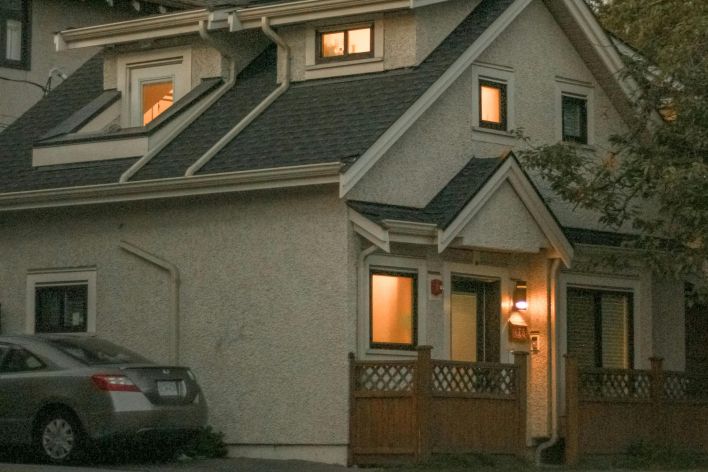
392, 309
490, 98
157, 97
359, 41
333, 44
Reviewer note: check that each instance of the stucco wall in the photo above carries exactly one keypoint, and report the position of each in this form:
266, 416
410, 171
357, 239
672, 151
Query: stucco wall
669, 323
49, 16
266, 324
435, 148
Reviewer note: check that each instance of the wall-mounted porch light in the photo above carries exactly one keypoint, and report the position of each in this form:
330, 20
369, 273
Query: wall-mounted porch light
518, 328
520, 302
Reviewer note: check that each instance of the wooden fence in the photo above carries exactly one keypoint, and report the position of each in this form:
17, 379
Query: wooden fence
607, 410
408, 410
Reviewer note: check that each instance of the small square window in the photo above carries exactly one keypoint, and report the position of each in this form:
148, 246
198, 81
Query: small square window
14, 33
393, 309
575, 119
492, 105
61, 309
345, 44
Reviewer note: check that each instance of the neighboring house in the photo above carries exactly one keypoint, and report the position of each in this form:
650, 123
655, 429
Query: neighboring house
28, 60
257, 212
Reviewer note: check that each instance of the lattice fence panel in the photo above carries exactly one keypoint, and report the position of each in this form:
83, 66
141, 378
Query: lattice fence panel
471, 378
615, 384
680, 386
384, 377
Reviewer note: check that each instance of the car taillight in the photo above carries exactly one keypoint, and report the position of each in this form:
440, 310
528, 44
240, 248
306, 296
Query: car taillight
114, 383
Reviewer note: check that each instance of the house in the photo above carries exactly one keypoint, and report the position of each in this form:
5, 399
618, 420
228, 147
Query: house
257, 189
28, 62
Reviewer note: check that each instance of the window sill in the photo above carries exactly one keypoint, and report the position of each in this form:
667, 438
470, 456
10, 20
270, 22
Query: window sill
373, 352
583, 147
493, 135
334, 69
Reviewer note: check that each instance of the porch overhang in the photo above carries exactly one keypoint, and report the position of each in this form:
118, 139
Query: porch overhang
501, 211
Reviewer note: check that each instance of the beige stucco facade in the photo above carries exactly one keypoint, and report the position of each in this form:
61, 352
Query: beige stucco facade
266, 315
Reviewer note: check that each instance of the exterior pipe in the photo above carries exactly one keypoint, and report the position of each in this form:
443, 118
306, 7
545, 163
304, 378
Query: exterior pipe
199, 111
174, 292
256, 112
552, 360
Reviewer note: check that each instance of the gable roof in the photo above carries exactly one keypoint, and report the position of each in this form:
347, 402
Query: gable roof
458, 203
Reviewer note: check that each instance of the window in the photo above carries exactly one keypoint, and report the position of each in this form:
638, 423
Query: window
63, 301
393, 309
345, 44
600, 328
492, 105
575, 119
151, 82
14, 33
20, 360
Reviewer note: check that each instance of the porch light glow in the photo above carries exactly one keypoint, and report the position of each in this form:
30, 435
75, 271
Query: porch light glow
520, 302
392, 309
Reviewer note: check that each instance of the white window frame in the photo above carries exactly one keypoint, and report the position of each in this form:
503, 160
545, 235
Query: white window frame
394, 264
313, 70
502, 75
135, 69
575, 89
62, 277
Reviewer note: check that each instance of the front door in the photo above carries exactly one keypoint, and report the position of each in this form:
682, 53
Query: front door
475, 307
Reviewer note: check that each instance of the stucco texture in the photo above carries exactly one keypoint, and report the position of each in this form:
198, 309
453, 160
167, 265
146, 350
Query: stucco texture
441, 142
266, 324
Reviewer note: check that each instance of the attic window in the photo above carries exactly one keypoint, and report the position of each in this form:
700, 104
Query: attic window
345, 44
157, 96
575, 120
14, 34
492, 105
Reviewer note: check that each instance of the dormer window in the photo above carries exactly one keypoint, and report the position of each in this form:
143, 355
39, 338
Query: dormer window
345, 44
575, 119
157, 96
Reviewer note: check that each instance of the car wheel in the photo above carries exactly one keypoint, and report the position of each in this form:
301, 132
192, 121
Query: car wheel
59, 437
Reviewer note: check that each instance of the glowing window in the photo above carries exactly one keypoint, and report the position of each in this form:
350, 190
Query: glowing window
345, 44
156, 98
492, 105
14, 33
393, 310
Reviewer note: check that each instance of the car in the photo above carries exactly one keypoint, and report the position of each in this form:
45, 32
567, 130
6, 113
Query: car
60, 393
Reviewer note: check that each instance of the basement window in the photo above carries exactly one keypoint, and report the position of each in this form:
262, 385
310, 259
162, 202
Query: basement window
15, 34
345, 44
63, 301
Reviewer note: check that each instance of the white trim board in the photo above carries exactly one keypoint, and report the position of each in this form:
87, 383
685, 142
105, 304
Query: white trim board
397, 130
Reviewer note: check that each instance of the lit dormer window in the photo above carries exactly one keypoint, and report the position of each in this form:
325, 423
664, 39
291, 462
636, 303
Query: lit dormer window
157, 96
345, 44
492, 105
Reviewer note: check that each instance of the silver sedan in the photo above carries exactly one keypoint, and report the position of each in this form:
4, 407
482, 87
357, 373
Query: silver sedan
57, 393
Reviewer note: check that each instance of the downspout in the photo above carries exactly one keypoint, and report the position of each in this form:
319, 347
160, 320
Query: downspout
552, 360
174, 292
196, 113
256, 112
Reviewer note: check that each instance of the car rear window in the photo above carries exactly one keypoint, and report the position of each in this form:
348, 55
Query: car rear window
93, 351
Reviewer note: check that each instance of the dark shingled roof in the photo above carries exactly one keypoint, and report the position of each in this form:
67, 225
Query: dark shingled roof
318, 121
445, 206
597, 238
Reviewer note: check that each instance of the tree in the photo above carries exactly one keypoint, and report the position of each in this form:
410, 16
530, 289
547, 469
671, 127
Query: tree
654, 177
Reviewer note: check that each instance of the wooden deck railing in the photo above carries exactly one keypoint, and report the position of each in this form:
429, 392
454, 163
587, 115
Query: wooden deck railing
607, 410
407, 410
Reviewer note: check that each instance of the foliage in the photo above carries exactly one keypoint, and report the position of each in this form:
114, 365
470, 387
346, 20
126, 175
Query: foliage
653, 177
206, 444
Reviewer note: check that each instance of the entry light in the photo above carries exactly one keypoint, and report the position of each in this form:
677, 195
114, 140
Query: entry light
520, 302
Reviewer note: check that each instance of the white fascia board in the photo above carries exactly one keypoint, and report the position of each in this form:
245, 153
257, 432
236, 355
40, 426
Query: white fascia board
162, 26
425, 3
309, 10
603, 45
283, 177
370, 230
512, 173
412, 232
71, 153
398, 129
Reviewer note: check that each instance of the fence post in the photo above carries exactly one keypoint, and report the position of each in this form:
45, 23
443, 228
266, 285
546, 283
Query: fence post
572, 411
521, 362
657, 399
352, 425
424, 372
